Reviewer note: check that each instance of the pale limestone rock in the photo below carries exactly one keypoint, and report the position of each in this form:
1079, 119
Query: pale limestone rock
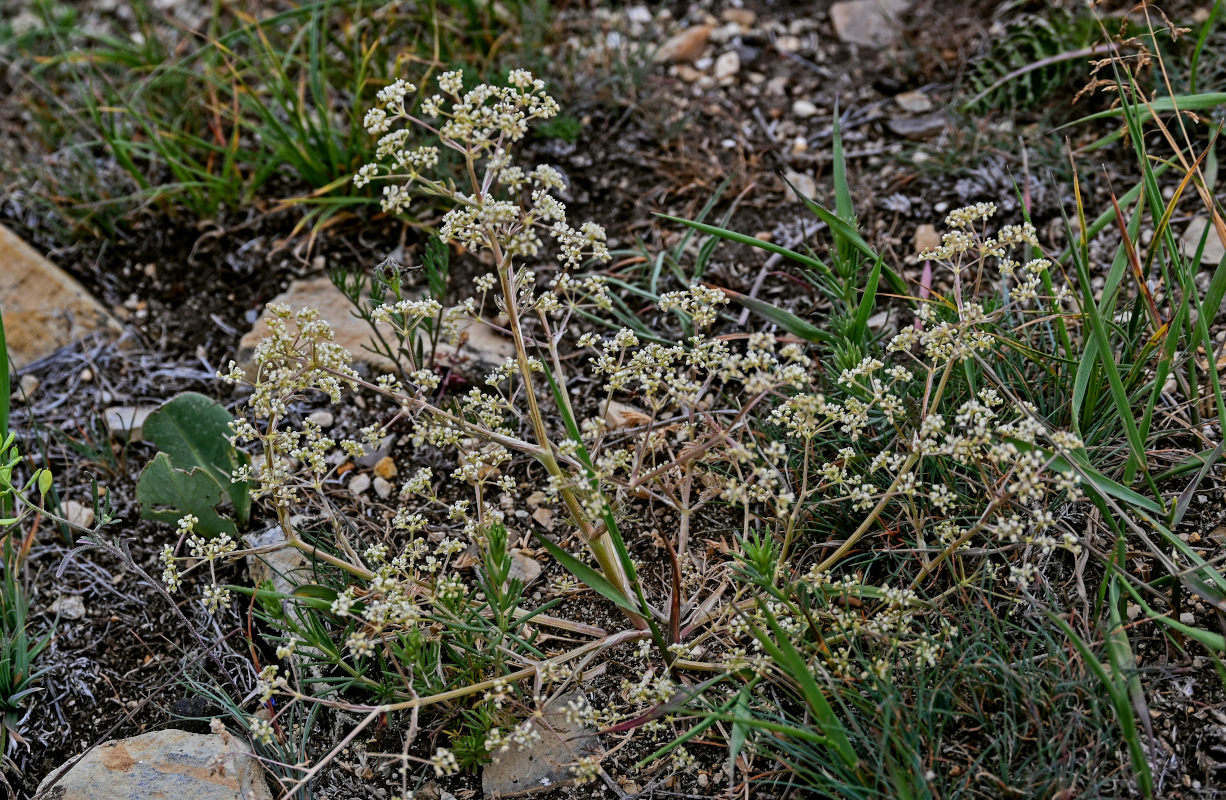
161, 765
44, 309
870, 23
352, 333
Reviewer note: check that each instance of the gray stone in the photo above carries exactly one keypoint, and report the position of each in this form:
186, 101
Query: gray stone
161, 765
524, 568
870, 23
546, 763
44, 309
924, 127
359, 484
68, 606
1213, 252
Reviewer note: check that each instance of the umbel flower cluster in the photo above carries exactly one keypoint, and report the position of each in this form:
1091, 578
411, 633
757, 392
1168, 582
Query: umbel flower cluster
915, 447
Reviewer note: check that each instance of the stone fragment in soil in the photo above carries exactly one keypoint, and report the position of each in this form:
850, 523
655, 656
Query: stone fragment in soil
481, 348
741, 16
623, 415
1190, 240
352, 333
924, 127
159, 765
124, 423
544, 516
727, 65
803, 109
286, 567
926, 238
383, 488
803, 183
68, 606
545, 763
359, 484
525, 568
79, 514
377, 452
686, 45
44, 309
870, 23
27, 386
914, 102
385, 468
323, 418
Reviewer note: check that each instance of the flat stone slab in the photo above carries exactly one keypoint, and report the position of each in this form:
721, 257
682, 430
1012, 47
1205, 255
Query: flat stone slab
351, 332
162, 765
545, 764
869, 23
44, 308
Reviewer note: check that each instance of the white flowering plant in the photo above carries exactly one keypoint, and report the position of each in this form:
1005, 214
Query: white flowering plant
863, 478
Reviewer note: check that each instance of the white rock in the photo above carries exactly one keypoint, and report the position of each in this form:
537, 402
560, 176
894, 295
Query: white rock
69, 606
124, 423
27, 386
803, 183
286, 567
79, 514
914, 102
383, 488
639, 14
788, 44
870, 23
804, 109
359, 484
159, 765
323, 418
727, 65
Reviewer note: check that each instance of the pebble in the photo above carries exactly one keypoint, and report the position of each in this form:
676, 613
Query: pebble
124, 423
741, 16
383, 488
803, 183
359, 484
69, 606
386, 468
918, 127
788, 44
639, 14
79, 514
804, 109
1213, 252
914, 102
323, 418
29, 385
1187, 618
686, 45
926, 238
